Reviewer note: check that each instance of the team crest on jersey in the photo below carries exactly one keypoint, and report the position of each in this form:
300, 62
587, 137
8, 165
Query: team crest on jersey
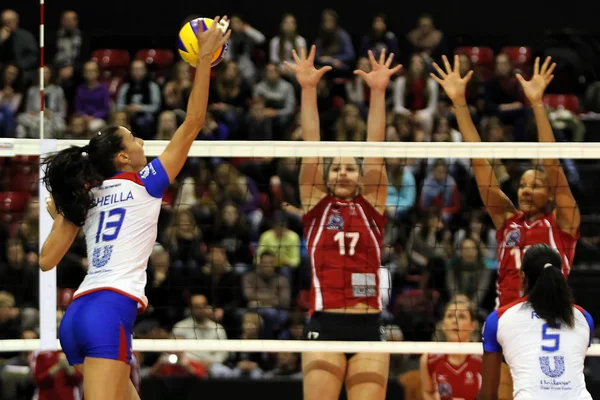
445, 389
513, 238
335, 221
469, 378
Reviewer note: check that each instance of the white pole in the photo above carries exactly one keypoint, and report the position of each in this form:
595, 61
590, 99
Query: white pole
47, 293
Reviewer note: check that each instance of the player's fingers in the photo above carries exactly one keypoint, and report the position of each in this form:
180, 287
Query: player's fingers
360, 73
313, 51
551, 69
396, 69
215, 23
435, 78
295, 56
439, 70
447, 64
549, 79
382, 57
456, 64
324, 69
390, 58
520, 78
303, 53
545, 65
536, 66
372, 59
468, 77
225, 37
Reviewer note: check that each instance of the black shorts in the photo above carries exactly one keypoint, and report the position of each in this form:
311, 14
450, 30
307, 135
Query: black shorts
345, 328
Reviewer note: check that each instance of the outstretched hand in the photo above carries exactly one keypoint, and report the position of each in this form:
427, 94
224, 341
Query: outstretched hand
212, 39
535, 87
454, 85
304, 69
380, 74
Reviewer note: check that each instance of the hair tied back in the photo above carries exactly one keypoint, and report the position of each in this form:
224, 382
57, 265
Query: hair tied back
548, 265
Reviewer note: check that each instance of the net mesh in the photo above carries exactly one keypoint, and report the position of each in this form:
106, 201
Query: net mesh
230, 274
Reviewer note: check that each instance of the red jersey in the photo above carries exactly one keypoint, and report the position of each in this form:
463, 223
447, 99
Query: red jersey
451, 381
513, 240
61, 386
345, 241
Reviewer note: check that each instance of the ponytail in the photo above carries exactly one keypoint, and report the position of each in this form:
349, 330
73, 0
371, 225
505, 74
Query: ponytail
72, 173
547, 290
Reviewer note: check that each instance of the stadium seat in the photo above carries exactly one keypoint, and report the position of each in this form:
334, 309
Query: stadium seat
521, 58
25, 160
159, 57
158, 60
24, 181
567, 101
112, 61
478, 55
13, 201
12, 206
519, 55
482, 58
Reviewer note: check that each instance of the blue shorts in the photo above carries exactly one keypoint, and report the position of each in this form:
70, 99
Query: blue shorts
100, 325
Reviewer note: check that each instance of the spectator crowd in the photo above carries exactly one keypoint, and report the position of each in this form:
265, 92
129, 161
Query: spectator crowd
230, 259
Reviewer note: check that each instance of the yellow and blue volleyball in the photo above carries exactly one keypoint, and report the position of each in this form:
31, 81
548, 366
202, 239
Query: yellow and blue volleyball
188, 41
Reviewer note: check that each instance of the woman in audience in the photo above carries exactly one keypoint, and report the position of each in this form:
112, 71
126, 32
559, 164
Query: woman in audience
11, 95
281, 46
92, 100
416, 94
55, 110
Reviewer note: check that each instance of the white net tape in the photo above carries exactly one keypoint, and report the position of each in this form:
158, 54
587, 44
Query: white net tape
507, 150
251, 149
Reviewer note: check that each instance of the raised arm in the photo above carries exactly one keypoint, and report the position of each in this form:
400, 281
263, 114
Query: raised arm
566, 211
375, 182
312, 186
174, 156
496, 202
427, 386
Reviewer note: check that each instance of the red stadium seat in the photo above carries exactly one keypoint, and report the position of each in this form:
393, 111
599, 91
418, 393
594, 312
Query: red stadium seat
478, 55
24, 181
32, 161
519, 55
159, 57
481, 57
65, 297
13, 201
112, 61
567, 101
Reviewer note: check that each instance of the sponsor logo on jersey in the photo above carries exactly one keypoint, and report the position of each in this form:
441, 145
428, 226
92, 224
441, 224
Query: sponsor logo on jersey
148, 169
513, 238
445, 389
335, 221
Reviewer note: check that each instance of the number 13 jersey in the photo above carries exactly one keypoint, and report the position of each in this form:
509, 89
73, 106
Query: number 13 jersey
345, 241
121, 230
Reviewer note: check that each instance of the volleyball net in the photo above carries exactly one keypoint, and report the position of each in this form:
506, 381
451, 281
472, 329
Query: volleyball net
230, 270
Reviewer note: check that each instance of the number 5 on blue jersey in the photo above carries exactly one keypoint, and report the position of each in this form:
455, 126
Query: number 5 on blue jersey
555, 337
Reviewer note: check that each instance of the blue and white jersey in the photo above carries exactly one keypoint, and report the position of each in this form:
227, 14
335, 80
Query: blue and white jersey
121, 230
545, 363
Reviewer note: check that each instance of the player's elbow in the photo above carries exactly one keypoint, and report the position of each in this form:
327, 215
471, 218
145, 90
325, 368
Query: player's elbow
46, 263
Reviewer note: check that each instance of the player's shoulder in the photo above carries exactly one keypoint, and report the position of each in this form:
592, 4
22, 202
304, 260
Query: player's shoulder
132, 177
435, 358
318, 208
582, 312
510, 307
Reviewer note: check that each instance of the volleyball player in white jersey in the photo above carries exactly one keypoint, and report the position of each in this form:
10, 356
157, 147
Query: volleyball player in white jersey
543, 336
107, 189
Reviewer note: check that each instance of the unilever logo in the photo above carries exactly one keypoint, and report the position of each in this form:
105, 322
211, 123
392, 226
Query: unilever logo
559, 366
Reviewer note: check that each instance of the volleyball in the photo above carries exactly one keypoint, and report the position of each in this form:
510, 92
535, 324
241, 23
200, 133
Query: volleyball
188, 42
